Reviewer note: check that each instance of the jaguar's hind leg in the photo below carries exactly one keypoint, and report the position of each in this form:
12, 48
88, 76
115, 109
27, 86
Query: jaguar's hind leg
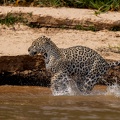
93, 77
89, 82
105, 82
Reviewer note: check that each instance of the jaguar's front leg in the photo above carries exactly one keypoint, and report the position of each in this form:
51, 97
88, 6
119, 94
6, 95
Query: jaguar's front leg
50, 62
62, 84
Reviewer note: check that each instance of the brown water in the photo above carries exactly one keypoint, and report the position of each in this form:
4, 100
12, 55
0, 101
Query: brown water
36, 103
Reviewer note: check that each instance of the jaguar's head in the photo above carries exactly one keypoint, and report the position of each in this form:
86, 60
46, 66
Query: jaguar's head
42, 46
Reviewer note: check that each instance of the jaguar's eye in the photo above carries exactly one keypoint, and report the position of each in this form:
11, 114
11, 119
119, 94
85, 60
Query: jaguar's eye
35, 53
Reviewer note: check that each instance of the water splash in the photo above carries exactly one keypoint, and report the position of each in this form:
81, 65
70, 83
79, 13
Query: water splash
72, 90
113, 90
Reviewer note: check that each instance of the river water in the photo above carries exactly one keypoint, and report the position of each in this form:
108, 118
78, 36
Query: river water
37, 103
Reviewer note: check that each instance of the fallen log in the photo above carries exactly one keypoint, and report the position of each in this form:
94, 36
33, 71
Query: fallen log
23, 70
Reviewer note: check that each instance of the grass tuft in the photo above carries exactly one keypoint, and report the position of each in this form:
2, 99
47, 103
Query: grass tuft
11, 19
90, 27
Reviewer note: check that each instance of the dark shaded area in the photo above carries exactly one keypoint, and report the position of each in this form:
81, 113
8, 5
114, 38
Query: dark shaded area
30, 79
113, 75
115, 28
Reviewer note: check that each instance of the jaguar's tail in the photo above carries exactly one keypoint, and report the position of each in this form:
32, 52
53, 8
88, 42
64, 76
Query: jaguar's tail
114, 64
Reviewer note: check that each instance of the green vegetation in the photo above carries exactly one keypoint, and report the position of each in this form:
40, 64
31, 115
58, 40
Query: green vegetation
100, 5
50, 3
90, 27
11, 19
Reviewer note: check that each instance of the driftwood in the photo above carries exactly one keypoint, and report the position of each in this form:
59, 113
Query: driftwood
23, 70
27, 70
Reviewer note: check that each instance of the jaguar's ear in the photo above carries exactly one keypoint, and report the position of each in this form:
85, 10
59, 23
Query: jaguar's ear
48, 42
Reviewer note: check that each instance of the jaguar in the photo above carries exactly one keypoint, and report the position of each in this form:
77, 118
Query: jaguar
77, 66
